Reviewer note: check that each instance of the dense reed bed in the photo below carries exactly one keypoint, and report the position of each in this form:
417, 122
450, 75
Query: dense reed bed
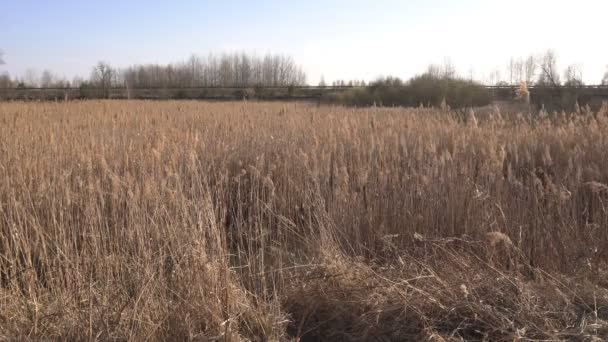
284, 221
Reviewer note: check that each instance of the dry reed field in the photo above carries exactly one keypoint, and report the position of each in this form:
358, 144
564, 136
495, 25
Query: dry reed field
253, 221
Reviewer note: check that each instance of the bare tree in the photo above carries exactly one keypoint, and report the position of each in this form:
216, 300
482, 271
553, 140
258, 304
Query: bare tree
31, 78
495, 77
530, 67
5, 81
195, 66
226, 72
77, 82
434, 71
549, 75
605, 78
573, 76
47, 79
448, 70
244, 68
511, 68
322, 82
519, 70
102, 76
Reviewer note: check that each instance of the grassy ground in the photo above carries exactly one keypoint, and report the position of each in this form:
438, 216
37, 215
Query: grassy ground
281, 221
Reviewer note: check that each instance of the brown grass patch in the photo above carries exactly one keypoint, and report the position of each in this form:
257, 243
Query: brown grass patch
280, 221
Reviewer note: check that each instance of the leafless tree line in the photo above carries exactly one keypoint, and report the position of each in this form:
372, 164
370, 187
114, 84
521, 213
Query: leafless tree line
522, 70
32, 78
227, 70
245, 70
542, 70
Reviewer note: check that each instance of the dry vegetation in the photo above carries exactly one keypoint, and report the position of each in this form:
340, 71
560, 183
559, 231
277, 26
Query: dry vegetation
269, 221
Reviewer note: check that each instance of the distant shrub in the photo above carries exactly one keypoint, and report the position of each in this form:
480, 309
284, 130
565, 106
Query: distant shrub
246, 93
259, 91
90, 91
180, 95
426, 89
358, 97
431, 90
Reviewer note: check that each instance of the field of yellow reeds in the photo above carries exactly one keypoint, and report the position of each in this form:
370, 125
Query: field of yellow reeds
288, 221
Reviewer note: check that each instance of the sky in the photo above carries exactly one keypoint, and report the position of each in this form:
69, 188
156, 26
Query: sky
336, 39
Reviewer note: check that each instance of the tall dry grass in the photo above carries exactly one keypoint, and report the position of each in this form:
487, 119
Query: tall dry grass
285, 221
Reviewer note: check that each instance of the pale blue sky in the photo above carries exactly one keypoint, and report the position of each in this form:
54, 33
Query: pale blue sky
336, 38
